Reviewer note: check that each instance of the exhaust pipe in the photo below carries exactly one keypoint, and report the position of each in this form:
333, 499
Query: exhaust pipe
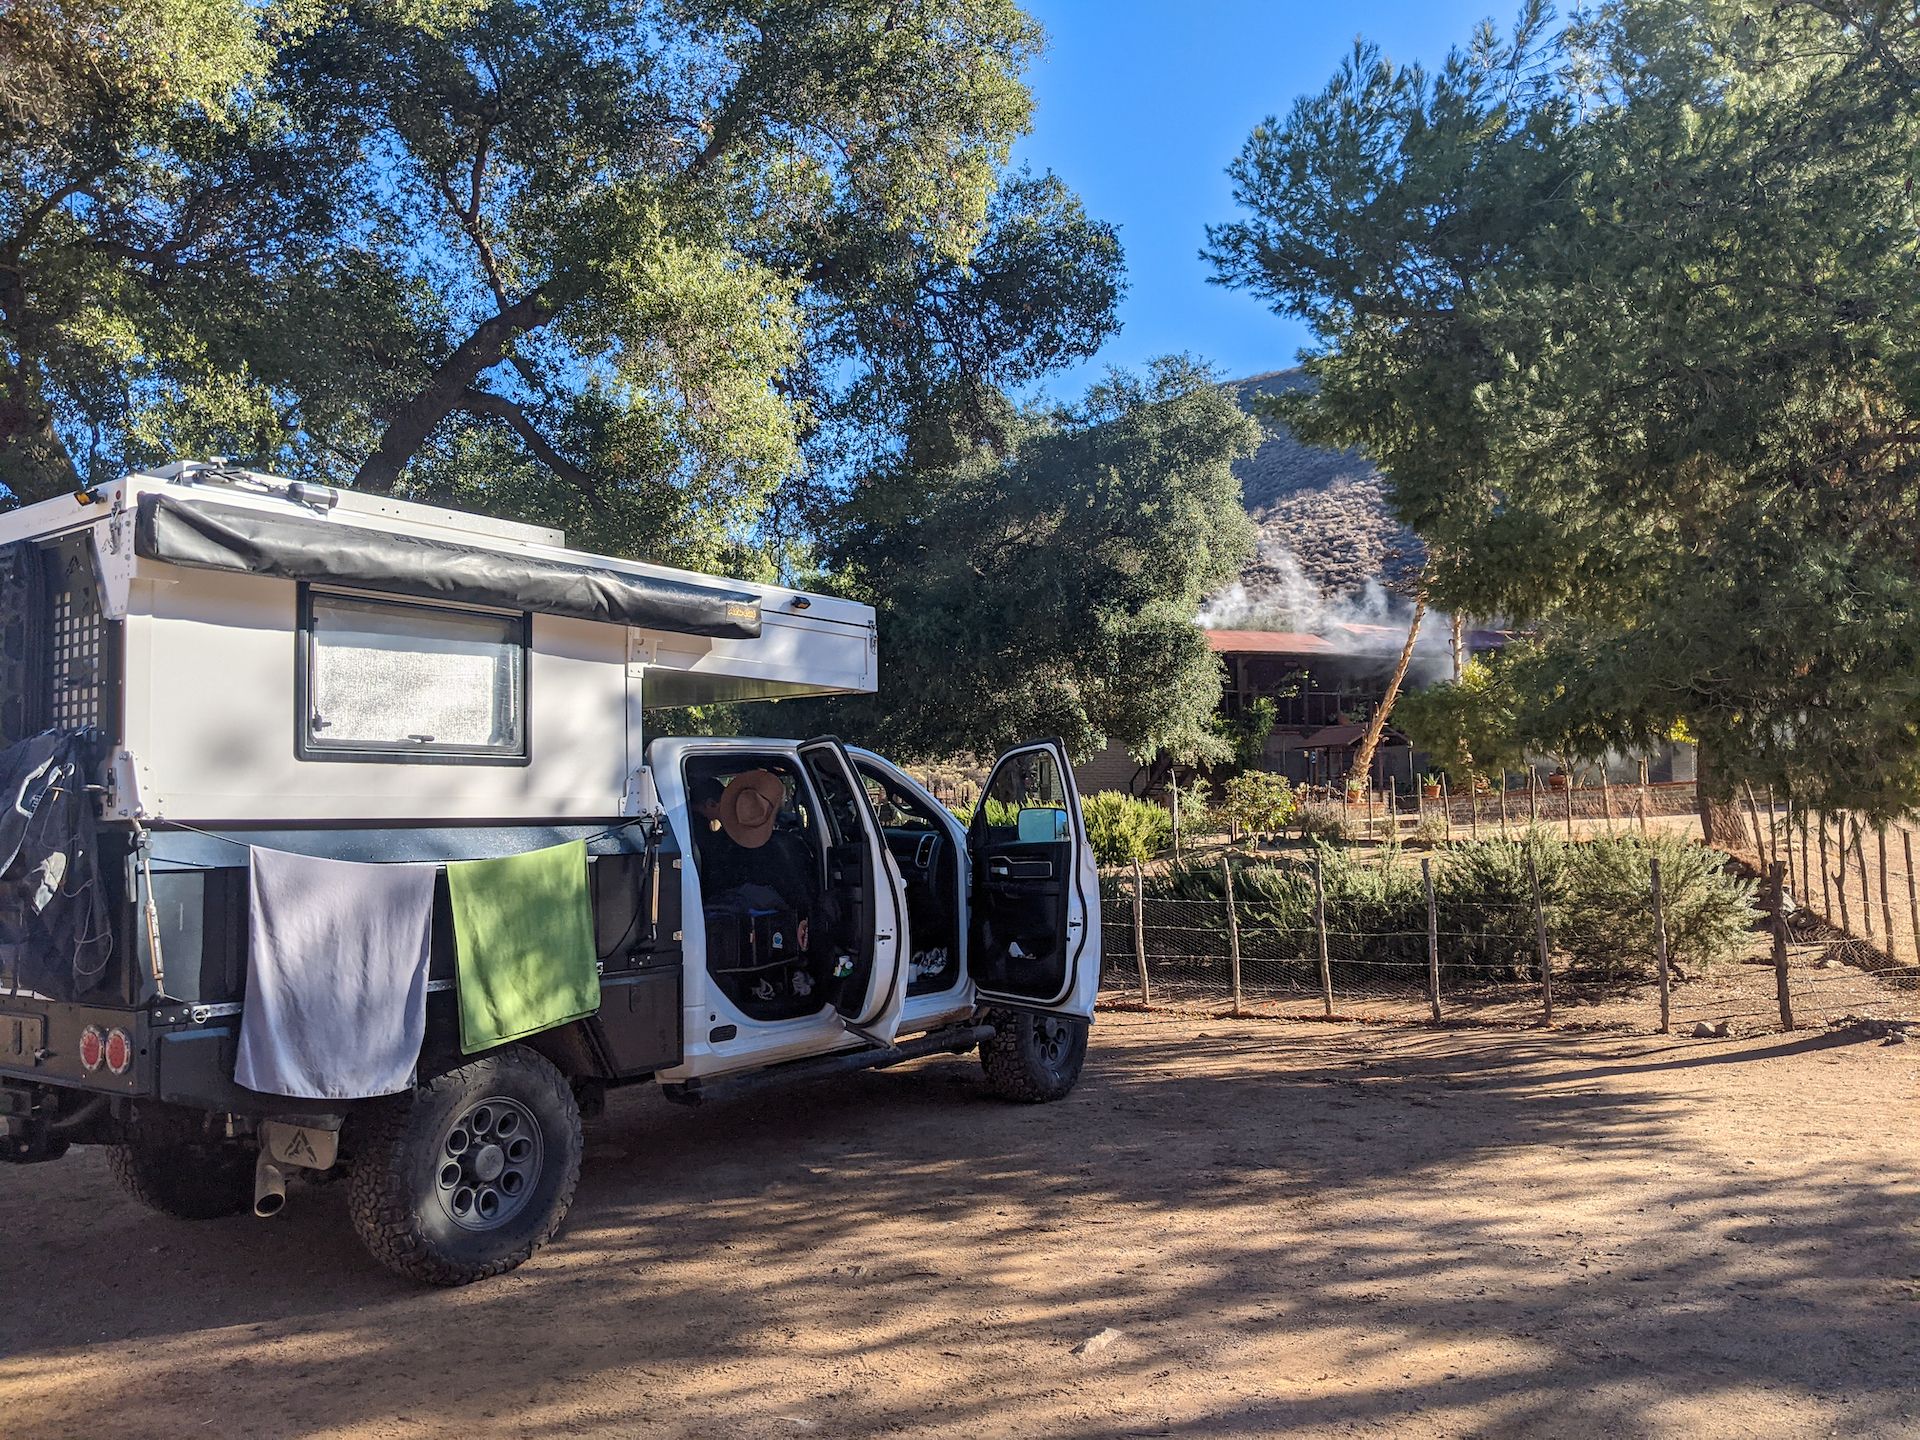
269, 1187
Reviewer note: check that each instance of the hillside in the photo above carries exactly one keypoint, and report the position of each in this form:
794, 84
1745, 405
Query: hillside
1327, 508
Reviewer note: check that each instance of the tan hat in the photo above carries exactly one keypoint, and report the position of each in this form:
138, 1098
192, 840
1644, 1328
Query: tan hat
749, 805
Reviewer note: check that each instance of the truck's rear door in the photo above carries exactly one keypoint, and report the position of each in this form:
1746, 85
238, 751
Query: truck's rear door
870, 995
1033, 937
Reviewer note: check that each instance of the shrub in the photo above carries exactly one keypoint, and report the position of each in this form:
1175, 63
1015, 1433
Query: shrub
1256, 801
1484, 896
999, 812
1331, 823
1596, 896
1124, 829
1604, 920
1430, 828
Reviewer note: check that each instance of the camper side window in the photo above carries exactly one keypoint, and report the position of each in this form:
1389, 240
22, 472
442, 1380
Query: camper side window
395, 680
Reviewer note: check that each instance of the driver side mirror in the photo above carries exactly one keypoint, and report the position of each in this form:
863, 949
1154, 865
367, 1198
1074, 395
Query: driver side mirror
1039, 825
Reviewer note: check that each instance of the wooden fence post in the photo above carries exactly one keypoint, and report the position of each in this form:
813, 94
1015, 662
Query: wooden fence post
1233, 932
1569, 794
1782, 992
1641, 800
1886, 906
1606, 798
1473, 789
1533, 796
1370, 830
1773, 833
1446, 806
1826, 886
1320, 928
1660, 949
1866, 891
1540, 938
1786, 835
1753, 815
1913, 898
1433, 938
1140, 933
1503, 804
1806, 861
1174, 785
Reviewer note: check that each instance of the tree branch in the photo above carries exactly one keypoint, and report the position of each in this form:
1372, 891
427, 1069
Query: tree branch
412, 420
499, 407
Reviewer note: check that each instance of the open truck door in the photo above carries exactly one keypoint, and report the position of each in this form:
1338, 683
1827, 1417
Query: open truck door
1033, 937
872, 938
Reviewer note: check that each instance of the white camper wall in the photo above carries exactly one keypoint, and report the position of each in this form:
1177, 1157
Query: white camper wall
210, 722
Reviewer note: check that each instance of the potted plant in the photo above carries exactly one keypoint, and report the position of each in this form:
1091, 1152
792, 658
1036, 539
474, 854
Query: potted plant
1558, 780
1430, 785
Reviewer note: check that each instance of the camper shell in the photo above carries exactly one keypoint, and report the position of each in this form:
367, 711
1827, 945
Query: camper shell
252, 661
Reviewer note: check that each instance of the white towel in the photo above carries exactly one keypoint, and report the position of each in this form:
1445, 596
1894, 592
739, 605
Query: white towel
336, 1004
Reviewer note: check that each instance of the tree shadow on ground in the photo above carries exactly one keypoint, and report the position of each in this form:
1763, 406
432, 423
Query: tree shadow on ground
1326, 1228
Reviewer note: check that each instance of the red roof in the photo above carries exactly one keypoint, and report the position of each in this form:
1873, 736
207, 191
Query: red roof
1267, 642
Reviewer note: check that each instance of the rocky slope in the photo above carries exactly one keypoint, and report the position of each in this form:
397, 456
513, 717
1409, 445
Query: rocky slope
1325, 509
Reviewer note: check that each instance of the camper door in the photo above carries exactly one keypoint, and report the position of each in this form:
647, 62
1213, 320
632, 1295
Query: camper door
872, 933
1033, 935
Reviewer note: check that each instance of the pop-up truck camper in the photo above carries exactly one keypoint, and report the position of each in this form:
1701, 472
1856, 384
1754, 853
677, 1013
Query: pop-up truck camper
333, 842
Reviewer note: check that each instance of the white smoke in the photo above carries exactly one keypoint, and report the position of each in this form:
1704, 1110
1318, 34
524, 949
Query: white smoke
1371, 622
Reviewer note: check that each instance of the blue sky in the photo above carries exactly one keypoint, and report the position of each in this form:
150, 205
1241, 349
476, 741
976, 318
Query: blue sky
1140, 106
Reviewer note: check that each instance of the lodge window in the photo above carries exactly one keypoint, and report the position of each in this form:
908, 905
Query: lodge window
398, 681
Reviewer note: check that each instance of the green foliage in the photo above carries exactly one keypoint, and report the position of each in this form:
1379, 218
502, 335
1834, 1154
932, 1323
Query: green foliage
1608, 920
1049, 588
1257, 801
1331, 822
1245, 734
1123, 828
1625, 307
605, 266
1470, 725
1596, 895
999, 812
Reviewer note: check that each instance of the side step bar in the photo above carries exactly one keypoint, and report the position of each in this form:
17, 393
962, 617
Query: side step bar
954, 1040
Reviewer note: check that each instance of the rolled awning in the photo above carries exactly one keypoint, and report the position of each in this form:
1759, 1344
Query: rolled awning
206, 536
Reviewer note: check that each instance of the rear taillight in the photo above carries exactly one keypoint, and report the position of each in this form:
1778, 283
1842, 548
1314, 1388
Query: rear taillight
93, 1047
119, 1051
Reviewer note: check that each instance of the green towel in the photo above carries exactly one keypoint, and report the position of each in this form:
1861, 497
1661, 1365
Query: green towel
523, 937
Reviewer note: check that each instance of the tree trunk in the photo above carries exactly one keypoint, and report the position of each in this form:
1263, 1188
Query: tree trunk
1363, 757
412, 420
1720, 821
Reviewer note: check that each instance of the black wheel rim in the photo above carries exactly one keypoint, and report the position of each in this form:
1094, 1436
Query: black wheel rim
1053, 1039
489, 1162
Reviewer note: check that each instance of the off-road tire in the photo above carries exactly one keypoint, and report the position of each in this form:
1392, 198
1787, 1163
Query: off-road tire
1033, 1058
184, 1179
400, 1148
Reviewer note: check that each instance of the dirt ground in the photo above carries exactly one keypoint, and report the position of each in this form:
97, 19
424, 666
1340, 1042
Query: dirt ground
1295, 1228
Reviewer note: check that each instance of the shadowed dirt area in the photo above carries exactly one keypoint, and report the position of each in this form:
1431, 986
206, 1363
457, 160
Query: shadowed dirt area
1296, 1228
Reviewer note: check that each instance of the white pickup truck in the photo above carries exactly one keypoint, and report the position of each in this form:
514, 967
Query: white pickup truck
210, 654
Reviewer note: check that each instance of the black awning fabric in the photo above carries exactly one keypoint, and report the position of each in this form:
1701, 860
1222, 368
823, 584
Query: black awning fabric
209, 536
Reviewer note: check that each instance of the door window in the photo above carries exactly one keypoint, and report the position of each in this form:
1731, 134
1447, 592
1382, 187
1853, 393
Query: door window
1026, 801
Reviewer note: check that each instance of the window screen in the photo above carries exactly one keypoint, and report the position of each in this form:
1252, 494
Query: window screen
389, 679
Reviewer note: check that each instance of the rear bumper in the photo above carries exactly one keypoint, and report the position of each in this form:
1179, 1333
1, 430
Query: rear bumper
40, 1043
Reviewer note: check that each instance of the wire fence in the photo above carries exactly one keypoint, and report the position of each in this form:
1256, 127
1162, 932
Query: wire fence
1508, 963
